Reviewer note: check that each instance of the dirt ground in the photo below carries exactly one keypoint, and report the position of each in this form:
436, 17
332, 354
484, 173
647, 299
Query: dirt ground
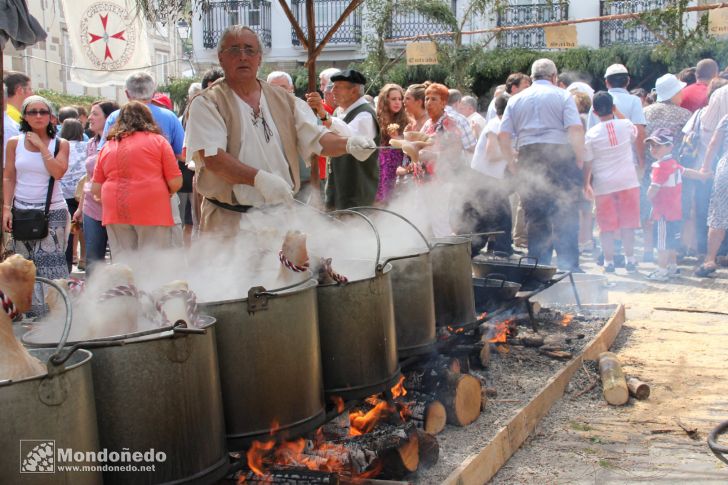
683, 358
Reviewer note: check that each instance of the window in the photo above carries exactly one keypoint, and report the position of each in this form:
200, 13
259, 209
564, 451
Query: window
161, 59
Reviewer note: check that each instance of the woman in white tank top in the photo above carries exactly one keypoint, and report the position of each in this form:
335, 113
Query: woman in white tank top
30, 161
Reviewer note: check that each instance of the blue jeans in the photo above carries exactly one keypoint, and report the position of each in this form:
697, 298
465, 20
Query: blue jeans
96, 240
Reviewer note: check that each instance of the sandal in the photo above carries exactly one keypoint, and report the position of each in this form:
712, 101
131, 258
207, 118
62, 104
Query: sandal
704, 270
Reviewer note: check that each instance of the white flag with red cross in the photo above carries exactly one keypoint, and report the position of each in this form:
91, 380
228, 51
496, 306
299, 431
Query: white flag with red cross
108, 41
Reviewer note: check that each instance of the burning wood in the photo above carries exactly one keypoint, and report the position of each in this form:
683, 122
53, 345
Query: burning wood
567, 319
291, 476
17, 279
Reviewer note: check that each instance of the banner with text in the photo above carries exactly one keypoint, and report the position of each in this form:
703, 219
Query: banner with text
718, 21
560, 37
421, 53
108, 41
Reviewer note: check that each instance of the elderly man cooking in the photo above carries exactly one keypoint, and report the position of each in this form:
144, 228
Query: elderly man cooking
350, 183
550, 137
247, 136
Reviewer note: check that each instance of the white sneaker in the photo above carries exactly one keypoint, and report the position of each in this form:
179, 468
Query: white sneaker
673, 271
659, 275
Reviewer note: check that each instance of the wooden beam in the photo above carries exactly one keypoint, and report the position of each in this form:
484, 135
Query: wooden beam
294, 23
621, 16
481, 467
344, 15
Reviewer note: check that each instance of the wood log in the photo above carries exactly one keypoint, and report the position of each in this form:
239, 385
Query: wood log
429, 449
638, 389
427, 412
484, 389
614, 385
555, 354
427, 377
391, 449
462, 396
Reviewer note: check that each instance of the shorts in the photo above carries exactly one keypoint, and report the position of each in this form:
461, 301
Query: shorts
668, 234
618, 210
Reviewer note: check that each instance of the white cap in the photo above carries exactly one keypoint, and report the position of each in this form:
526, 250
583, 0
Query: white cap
668, 86
581, 87
616, 69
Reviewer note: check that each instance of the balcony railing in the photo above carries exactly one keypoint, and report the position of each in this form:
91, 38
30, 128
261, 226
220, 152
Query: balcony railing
624, 31
529, 14
327, 12
221, 14
409, 24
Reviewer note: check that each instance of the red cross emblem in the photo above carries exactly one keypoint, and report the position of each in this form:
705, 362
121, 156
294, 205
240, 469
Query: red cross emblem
106, 37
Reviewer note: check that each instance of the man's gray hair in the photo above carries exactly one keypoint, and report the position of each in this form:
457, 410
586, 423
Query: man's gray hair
325, 76
280, 75
235, 30
543, 69
140, 86
194, 89
470, 102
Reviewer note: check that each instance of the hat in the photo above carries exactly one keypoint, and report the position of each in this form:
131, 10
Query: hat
616, 69
350, 75
602, 103
581, 87
668, 86
661, 136
162, 100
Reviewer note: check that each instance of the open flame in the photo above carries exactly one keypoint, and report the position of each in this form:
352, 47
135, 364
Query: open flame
501, 332
256, 454
398, 390
567, 319
339, 403
361, 422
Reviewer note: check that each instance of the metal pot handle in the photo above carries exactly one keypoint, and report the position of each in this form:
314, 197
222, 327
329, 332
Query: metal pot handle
427, 243
377, 267
54, 361
534, 258
497, 277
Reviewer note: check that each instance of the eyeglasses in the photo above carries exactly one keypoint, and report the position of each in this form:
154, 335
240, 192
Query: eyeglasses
235, 51
37, 112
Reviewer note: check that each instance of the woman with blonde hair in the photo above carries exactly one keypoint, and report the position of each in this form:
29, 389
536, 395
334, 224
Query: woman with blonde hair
392, 121
35, 161
135, 175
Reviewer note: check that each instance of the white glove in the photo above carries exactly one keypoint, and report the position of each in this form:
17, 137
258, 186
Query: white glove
360, 147
274, 189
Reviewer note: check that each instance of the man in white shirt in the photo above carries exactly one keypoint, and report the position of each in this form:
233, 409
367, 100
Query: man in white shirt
350, 182
469, 108
247, 136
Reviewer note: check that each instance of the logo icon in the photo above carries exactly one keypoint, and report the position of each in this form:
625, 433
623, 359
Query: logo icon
37, 456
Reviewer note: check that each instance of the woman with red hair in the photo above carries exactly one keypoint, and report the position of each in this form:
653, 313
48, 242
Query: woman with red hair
392, 121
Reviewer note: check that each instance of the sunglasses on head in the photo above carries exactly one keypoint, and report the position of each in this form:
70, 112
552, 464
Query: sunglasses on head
37, 112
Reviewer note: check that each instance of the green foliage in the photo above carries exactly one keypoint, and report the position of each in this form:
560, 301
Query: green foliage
177, 89
62, 99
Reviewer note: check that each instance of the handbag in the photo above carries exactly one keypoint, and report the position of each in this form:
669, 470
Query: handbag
32, 224
690, 148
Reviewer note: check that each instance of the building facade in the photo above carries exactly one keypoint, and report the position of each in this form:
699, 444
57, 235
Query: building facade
47, 63
349, 43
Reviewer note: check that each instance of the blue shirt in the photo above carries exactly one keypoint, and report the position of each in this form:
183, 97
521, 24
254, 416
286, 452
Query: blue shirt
628, 104
168, 122
540, 114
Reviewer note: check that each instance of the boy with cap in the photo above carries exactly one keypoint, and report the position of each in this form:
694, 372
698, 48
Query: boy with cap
665, 193
610, 176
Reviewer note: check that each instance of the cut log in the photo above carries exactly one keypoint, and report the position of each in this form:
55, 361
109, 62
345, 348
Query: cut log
555, 354
614, 385
427, 412
393, 450
638, 389
429, 449
462, 396
427, 377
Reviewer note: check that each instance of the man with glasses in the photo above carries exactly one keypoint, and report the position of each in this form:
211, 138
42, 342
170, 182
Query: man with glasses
246, 137
18, 86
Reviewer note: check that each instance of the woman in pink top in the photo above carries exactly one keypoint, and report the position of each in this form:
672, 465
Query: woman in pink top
135, 175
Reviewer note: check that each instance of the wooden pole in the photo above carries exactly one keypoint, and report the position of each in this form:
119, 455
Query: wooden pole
344, 15
621, 16
294, 23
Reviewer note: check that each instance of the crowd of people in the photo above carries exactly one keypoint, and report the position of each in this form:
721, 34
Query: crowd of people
547, 157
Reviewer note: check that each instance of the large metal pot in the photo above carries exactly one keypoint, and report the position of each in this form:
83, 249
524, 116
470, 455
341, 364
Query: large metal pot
452, 280
47, 413
412, 294
160, 389
526, 271
270, 362
358, 336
